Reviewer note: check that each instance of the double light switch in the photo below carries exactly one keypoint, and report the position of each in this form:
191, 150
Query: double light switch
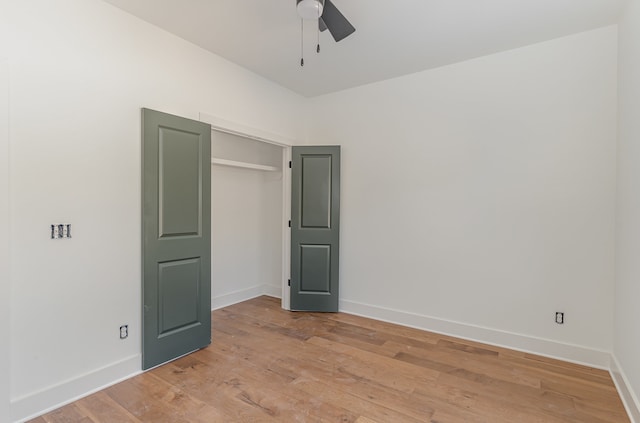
61, 230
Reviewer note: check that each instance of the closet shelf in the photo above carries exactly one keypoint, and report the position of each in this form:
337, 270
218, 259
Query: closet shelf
245, 165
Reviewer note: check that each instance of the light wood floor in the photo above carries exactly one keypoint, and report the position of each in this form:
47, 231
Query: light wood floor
269, 365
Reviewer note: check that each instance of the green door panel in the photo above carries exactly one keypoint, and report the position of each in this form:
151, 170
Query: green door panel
176, 238
179, 183
315, 228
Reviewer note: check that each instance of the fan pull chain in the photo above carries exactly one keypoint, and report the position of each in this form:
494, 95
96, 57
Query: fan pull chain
318, 33
301, 42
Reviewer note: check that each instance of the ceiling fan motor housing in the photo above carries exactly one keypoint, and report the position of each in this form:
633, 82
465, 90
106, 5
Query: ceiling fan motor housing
310, 9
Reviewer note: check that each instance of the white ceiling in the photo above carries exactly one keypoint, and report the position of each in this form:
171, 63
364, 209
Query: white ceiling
392, 38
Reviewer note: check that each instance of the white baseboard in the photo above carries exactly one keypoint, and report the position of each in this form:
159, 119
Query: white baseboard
32, 405
234, 297
37, 403
244, 295
272, 291
629, 397
544, 347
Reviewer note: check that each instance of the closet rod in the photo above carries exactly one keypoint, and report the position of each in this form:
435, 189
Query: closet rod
245, 165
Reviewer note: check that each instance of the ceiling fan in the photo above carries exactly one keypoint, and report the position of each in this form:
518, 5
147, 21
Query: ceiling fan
329, 17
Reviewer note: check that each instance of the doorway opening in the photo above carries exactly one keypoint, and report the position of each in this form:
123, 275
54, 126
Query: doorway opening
250, 212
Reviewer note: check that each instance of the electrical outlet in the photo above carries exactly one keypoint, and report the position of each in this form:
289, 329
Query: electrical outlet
124, 331
559, 317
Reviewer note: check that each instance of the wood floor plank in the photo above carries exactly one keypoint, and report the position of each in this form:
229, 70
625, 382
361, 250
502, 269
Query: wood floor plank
267, 365
255, 385
365, 407
220, 394
102, 408
68, 414
355, 363
149, 399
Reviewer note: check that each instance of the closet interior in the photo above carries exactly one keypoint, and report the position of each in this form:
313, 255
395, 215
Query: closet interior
247, 205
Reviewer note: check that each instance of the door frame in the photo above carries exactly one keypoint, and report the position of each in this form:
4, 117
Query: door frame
233, 128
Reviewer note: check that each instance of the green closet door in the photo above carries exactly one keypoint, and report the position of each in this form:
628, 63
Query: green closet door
315, 228
176, 238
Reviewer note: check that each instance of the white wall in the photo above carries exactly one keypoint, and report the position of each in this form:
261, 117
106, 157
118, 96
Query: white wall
80, 72
246, 220
270, 257
627, 291
480, 193
483, 193
246, 232
5, 290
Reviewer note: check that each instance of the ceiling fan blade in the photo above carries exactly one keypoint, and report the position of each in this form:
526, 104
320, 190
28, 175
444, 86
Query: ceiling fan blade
336, 23
322, 25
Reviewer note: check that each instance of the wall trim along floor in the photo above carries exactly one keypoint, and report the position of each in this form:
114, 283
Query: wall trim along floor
48, 399
56, 396
629, 398
243, 295
545, 347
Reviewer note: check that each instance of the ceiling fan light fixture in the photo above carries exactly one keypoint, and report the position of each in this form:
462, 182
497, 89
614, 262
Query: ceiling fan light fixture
310, 9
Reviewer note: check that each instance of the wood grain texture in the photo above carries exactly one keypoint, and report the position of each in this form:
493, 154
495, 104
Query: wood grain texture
269, 365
